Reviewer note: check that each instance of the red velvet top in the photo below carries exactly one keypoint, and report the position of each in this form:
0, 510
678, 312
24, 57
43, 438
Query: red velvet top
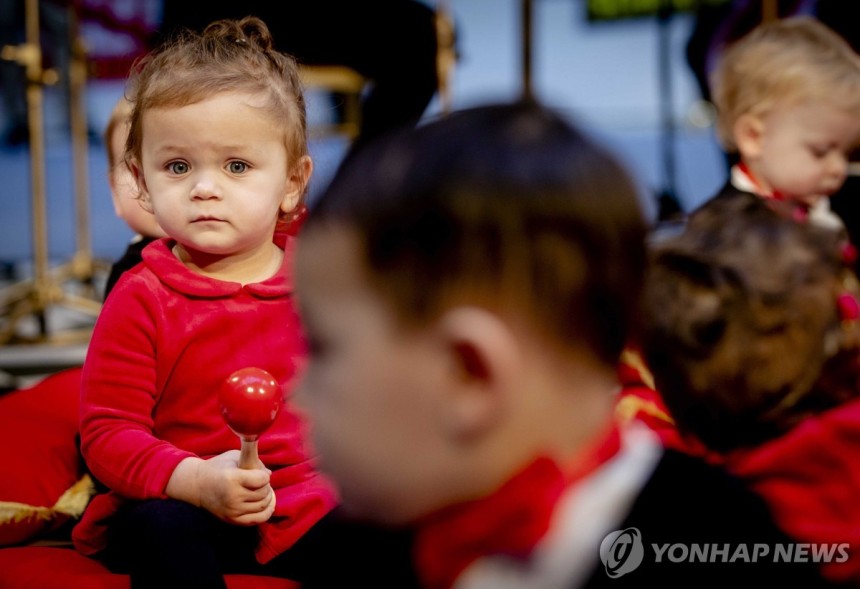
810, 478
165, 341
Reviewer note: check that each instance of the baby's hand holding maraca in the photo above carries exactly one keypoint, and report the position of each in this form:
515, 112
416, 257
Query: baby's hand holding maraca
240, 496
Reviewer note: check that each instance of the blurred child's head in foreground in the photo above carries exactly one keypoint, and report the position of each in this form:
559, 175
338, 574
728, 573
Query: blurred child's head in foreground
453, 279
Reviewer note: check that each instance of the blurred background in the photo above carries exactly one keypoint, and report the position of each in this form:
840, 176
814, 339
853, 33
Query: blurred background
616, 75
628, 71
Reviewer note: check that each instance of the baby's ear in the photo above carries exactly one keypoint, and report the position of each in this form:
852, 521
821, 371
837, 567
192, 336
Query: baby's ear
748, 130
297, 182
485, 356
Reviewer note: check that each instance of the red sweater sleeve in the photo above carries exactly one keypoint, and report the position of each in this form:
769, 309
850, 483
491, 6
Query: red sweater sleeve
118, 394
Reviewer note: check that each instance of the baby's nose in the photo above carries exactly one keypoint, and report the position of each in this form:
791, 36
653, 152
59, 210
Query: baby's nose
205, 188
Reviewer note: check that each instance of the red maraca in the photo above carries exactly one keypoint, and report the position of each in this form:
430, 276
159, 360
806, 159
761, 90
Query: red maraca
250, 399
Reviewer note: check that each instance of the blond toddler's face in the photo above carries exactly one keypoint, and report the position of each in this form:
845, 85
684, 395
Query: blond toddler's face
371, 387
801, 151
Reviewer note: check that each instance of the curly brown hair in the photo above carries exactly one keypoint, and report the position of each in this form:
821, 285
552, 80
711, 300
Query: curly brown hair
229, 56
741, 326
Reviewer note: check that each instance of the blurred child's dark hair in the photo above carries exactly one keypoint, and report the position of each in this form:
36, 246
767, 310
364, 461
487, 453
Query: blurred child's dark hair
505, 206
742, 327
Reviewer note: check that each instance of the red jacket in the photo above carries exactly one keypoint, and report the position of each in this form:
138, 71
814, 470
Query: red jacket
165, 341
810, 478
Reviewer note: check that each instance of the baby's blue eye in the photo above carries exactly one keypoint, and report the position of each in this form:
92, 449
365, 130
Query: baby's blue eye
238, 167
177, 167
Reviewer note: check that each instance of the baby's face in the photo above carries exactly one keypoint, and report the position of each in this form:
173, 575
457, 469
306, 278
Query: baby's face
217, 174
372, 388
802, 151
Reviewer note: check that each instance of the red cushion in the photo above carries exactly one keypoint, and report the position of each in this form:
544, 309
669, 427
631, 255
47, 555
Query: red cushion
40, 460
63, 568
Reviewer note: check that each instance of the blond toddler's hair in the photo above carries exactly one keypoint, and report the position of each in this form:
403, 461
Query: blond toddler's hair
791, 61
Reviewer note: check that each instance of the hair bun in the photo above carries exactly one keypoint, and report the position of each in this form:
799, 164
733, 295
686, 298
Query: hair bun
249, 31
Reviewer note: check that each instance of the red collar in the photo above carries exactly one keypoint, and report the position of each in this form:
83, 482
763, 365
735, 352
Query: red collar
510, 521
159, 258
799, 211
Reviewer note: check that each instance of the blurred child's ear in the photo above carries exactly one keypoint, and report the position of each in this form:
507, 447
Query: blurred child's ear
297, 182
484, 355
748, 130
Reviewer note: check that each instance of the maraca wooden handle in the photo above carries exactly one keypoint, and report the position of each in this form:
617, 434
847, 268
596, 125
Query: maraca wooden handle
248, 458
